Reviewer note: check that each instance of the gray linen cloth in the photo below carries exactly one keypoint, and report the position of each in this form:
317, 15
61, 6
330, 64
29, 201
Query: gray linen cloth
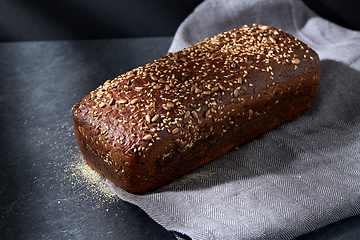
292, 180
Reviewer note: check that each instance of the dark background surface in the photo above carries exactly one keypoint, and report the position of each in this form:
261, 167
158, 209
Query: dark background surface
36, 20
46, 190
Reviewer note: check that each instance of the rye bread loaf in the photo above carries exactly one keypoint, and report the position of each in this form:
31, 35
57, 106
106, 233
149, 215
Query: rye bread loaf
157, 122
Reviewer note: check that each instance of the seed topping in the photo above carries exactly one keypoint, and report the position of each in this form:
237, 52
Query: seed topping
209, 83
122, 100
194, 114
147, 137
133, 101
296, 61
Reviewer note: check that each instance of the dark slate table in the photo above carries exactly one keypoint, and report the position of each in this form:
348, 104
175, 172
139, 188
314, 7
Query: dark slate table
46, 190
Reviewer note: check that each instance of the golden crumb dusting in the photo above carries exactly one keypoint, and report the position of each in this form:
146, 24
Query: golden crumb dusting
89, 179
74, 177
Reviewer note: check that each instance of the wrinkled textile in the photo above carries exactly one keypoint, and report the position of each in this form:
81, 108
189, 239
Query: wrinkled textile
294, 179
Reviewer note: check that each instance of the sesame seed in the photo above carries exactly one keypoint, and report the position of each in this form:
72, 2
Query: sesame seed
175, 131
272, 39
296, 61
194, 114
155, 118
147, 137
169, 105
207, 113
222, 87
157, 86
133, 101
236, 93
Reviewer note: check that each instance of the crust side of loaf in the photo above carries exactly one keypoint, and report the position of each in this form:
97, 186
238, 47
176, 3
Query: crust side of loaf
156, 123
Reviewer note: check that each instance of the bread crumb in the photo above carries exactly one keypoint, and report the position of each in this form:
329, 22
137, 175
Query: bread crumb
82, 180
89, 180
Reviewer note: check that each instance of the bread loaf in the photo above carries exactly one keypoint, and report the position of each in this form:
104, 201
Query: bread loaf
157, 122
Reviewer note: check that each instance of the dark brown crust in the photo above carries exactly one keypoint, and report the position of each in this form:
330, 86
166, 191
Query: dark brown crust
156, 123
